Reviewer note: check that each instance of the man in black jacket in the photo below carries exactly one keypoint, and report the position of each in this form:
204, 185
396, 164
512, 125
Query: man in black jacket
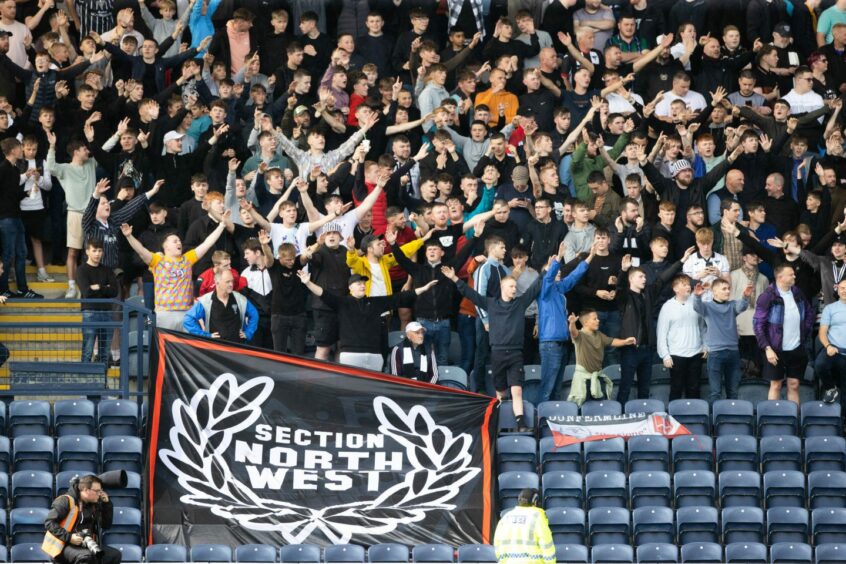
543, 235
413, 357
11, 225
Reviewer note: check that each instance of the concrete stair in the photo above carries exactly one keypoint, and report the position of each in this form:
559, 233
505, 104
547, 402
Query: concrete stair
50, 290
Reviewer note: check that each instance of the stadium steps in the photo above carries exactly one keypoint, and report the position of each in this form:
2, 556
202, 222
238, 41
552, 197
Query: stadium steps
50, 290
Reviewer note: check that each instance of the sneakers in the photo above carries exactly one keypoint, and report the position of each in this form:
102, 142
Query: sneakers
44, 277
30, 295
832, 395
8, 294
71, 293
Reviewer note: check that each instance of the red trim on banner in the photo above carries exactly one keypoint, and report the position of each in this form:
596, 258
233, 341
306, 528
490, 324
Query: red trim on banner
486, 472
154, 430
561, 439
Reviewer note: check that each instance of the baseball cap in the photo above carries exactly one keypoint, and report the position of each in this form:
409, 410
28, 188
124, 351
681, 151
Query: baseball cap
840, 239
782, 29
173, 136
4, 33
520, 175
678, 166
300, 110
413, 327
357, 278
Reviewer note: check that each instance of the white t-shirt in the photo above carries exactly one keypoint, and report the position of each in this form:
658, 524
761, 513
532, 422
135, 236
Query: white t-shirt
296, 235
804, 103
347, 222
378, 287
696, 264
258, 280
792, 321
694, 100
17, 51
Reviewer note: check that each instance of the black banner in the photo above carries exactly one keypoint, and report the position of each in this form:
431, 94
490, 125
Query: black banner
250, 446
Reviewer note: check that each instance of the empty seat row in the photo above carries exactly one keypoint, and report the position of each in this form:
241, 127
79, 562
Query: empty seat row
36, 488
71, 417
27, 525
84, 453
704, 553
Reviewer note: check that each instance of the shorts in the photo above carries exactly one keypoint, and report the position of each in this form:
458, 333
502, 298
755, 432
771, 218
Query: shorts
76, 237
325, 328
791, 364
34, 222
507, 368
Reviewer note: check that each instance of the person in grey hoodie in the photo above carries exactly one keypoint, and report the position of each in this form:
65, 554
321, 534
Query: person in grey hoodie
721, 336
433, 93
579, 238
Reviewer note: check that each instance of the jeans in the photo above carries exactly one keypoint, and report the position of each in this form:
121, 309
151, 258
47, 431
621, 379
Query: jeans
482, 382
90, 332
467, 336
684, 377
149, 295
609, 323
830, 369
635, 359
289, 328
554, 356
14, 246
437, 333
723, 366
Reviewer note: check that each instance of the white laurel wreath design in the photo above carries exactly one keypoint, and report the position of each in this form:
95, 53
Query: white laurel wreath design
202, 432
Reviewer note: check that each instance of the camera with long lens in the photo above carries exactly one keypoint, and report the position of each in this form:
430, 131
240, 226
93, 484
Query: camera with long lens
89, 542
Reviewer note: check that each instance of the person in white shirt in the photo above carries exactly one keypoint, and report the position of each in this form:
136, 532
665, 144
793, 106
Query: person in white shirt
802, 98
681, 91
705, 266
679, 340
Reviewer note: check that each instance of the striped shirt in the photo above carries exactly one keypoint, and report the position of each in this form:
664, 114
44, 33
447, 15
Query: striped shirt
95, 15
107, 233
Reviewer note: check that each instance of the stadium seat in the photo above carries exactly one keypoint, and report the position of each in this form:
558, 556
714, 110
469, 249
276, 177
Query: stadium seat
746, 553
554, 409
740, 489
562, 489
697, 524
605, 454
32, 488
388, 552
821, 419
508, 423
3, 528
605, 488
743, 524
29, 552
476, 553
693, 452
78, 452
784, 488
733, 417
653, 524
567, 458
73, 417
5, 454
299, 553
694, 414
657, 552
825, 453
777, 418
612, 554
567, 525
262, 553
826, 488
787, 524
693, 488
29, 417
791, 553
126, 528
781, 453
828, 525
571, 554
122, 453
395, 338
129, 552
62, 482
831, 553
604, 407
438, 553
702, 552
344, 553
210, 553
4, 490
647, 406
26, 524
33, 452
453, 377
737, 452
609, 525
650, 489
166, 553
510, 484
517, 453
130, 496
649, 452
117, 417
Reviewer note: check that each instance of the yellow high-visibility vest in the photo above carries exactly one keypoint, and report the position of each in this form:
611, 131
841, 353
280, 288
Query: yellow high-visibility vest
523, 537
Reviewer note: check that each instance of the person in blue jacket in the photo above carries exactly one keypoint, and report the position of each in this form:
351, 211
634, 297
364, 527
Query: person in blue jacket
553, 332
223, 314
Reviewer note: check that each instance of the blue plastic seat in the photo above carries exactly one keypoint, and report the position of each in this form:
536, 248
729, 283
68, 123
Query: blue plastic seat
262, 553
29, 552
697, 524
299, 553
787, 524
567, 458
733, 417
740, 488
746, 553
3, 528
32, 488
693, 488
694, 414
26, 524
791, 553
4, 490
612, 554
826, 488
453, 377
777, 418
825, 453
657, 552
605, 454
122, 453
784, 488
508, 423
554, 409
828, 525
344, 553
649, 452
702, 552
476, 553
117, 417
609, 525
73, 417
5, 454
510, 484
567, 525
821, 419
388, 552
129, 552
130, 496
653, 524
737, 452
29, 417
605, 488
781, 453
33, 452
650, 489
437, 553
78, 452
517, 453
831, 553
562, 489
604, 407
743, 524
211, 553
62, 481
693, 452
647, 406
571, 554
126, 527
166, 553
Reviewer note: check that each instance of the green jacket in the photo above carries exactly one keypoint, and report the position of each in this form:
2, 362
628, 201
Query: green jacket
582, 165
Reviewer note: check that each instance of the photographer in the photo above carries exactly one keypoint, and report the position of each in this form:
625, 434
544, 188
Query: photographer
74, 523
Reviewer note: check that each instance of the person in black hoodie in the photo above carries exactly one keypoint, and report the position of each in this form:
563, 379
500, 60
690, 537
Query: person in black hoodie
96, 281
11, 224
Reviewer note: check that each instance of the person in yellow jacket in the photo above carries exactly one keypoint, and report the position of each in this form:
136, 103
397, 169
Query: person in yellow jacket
375, 264
522, 535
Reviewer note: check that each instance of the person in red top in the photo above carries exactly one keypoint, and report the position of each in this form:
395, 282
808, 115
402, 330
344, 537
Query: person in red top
395, 219
221, 261
359, 94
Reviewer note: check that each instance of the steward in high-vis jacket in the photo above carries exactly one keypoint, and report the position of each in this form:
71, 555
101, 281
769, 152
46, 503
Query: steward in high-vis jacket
84, 511
522, 535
